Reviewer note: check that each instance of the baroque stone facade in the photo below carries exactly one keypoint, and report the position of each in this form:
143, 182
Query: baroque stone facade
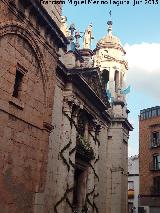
87, 160
63, 142
78, 145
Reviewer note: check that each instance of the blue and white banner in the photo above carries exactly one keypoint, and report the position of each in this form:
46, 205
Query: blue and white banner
127, 90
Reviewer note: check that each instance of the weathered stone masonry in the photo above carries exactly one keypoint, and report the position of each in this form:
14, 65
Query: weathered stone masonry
63, 146
28, 47
65, 157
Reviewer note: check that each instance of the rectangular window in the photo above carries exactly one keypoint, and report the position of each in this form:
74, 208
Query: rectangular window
149, 114
18, 83
154, 112
155, 139
156, 185
156, 162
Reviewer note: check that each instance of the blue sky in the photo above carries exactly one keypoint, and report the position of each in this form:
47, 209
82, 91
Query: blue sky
139, 31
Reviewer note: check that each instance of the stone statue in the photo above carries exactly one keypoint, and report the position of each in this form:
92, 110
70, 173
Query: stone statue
64, 27
87, 37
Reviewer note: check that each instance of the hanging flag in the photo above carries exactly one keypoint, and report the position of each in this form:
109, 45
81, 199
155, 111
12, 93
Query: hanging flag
126, 91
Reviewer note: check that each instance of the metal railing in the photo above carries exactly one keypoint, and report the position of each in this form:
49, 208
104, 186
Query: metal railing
154, 167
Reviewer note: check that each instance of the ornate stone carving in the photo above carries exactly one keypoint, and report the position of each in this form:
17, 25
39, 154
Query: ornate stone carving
94, 81
64, 27
87, 37
70, 101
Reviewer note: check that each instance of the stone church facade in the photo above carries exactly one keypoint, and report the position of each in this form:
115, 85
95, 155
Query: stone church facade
63, 143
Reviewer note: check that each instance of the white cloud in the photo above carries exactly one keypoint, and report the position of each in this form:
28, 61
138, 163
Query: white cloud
144, 68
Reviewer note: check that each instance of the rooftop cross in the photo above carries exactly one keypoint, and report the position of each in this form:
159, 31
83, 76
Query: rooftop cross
110, 24
110, 13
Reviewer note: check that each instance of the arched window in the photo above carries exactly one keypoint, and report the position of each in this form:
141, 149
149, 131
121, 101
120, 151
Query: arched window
116, 79
105, 78
121, 79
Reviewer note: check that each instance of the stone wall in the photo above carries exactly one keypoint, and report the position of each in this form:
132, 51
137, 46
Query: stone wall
117, 168
25, 121
103, 173
58, 195
46, 200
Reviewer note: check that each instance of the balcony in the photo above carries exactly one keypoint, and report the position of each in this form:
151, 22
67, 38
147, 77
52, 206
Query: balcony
154, 167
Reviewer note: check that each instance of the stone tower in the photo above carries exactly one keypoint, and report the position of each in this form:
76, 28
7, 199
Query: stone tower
110, 58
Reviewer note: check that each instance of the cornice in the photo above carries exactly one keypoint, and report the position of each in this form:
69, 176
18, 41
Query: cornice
50, 23
124, 121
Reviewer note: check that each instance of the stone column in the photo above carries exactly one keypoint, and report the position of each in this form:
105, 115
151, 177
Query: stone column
117, 155
103, 188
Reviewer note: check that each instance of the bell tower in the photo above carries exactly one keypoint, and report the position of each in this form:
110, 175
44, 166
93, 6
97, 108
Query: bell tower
110, 58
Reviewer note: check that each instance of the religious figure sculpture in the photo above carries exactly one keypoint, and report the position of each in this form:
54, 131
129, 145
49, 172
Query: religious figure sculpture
87, 37
64, 27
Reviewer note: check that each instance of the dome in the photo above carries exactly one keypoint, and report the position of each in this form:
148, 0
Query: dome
110, 41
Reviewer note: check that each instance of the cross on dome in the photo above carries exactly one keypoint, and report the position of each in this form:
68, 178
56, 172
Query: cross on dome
110, 23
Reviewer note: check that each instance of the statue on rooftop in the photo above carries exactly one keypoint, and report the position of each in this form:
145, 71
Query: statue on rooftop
64, 27
87, 37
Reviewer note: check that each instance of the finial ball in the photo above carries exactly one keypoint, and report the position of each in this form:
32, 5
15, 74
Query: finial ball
109, 22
